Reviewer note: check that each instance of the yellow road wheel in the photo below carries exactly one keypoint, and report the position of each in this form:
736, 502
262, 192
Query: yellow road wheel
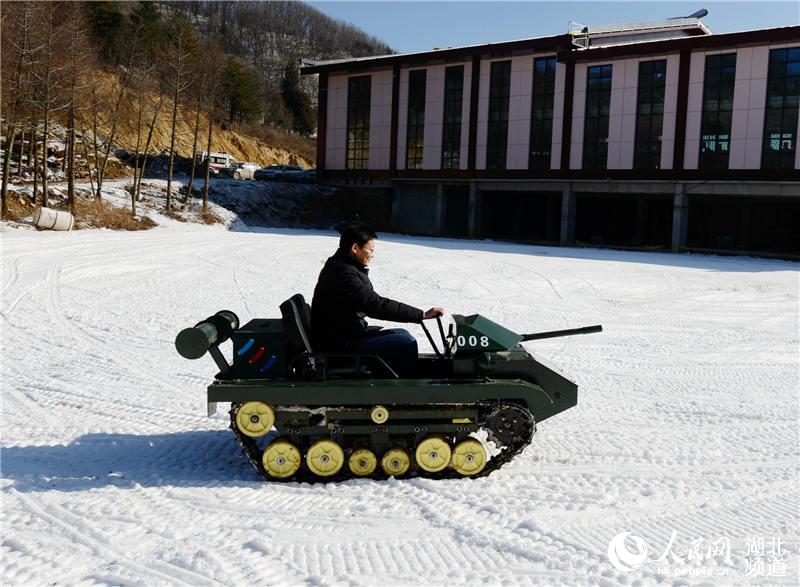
469, 457
255, 418
281, 459
363, 462
395, 462
325, 458
433, 454
379, 414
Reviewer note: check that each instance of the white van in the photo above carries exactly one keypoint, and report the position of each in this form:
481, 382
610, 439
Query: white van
216, 160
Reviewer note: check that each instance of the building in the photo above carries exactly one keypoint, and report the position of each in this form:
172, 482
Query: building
652, 135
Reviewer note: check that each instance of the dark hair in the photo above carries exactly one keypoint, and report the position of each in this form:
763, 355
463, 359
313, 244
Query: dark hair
359, 234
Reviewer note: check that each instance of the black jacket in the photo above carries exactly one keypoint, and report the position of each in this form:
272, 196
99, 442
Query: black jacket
342, 298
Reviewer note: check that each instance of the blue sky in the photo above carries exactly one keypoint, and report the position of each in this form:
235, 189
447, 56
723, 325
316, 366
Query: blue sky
420, 26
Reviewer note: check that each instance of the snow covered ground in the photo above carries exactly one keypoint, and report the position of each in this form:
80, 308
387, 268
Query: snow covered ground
685, 434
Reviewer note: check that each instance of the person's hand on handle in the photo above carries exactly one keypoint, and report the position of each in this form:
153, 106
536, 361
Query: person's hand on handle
433, 313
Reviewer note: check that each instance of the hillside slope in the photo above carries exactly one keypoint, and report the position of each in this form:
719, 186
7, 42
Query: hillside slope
277, 146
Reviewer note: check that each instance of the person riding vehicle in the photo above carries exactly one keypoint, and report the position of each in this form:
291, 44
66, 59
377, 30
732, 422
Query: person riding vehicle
344, 297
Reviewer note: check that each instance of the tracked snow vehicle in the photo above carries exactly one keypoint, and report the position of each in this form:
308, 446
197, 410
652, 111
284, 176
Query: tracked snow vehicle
470, 408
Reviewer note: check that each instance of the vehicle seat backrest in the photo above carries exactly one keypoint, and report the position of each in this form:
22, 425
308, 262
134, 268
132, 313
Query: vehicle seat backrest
296, 315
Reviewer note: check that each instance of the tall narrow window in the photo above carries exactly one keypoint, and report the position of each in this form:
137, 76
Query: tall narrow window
595, 130
783, 101
453, 101
650, 114
359, 91
544, 89
715, 137
416, 119
499, 97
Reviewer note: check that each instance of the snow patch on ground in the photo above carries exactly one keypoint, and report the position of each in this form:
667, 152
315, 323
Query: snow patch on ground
234, 204
685, 430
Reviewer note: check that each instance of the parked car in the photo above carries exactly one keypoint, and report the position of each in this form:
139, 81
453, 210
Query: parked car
270, 172
290, 172
281, 172
241, 170
306, 176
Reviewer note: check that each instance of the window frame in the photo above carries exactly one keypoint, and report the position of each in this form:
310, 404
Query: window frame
497, 123
595, 151
542, 107
359, 104
452, 116
779, 71
719, 82
650, 92
415, 121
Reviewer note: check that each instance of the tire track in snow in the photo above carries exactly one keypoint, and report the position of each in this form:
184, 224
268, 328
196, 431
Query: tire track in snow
10, 275
493, 538
88, 340
82, 532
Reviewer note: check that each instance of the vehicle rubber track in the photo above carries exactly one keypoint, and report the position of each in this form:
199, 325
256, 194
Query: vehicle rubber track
509, 426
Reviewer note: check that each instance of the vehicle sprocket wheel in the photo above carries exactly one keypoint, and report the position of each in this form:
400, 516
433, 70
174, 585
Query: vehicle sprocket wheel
510, 424
363, 462
469, 457
379, 414
325, 458
255, 418
395, 462
281, 459
433, 454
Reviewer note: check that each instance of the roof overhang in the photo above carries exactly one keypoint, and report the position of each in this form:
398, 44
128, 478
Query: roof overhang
710, 42
554, 44
562, 45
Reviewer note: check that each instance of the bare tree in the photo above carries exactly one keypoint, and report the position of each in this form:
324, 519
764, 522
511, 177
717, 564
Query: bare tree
86, 152
48, 97
76, 56
141, 77
179, 59
19, 18
102, 162
214, 61
33, 158
151, 127
198, 106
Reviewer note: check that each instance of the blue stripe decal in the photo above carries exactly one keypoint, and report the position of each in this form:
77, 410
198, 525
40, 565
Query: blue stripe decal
269, 364
246, 347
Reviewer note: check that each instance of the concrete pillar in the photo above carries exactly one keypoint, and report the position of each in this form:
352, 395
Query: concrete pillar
567, 215
397, 192
439, 209
746, 222
680, 218
641, 222
473, 224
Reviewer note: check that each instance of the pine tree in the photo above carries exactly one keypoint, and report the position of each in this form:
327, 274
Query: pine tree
297, 101
241, 88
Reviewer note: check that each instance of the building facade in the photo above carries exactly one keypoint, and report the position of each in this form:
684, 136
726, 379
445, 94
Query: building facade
655, 135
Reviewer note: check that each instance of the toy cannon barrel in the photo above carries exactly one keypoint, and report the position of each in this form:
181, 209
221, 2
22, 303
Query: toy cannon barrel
557, 333
193, 343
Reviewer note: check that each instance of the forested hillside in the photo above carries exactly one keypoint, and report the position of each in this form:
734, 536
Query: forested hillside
81, 80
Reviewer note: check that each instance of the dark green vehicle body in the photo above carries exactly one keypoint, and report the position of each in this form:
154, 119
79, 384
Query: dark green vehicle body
483, 371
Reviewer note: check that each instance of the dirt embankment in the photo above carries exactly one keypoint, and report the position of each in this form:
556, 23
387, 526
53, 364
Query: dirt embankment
283, 148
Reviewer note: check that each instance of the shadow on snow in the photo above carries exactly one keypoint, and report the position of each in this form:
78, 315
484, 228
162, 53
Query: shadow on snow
182, 459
